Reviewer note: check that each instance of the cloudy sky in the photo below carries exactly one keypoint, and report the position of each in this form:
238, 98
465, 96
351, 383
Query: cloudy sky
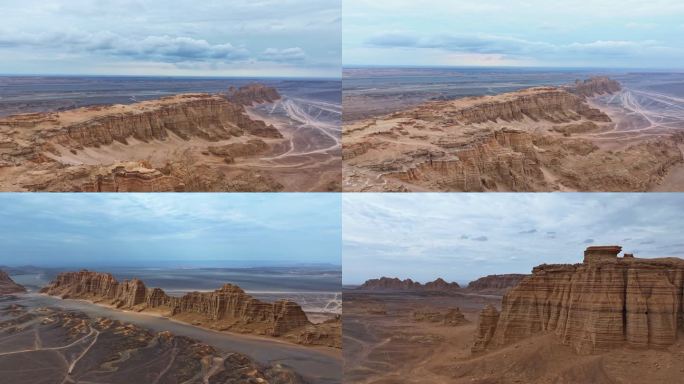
171, 37
462, 236
90, 230
599, 33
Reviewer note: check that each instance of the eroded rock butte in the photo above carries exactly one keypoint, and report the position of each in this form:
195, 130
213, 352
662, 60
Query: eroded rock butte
603, 303
536, 139
7, 285
228, 308
389, 283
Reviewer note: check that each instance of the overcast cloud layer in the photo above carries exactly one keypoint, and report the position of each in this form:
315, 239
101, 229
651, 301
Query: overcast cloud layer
600, 33
168, 230
171, 37
462, 236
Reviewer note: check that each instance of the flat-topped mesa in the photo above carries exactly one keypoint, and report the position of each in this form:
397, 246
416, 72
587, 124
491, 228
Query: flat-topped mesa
204, 116
599, 85
601, 253
227, 308
389, 283
252, 94
496, 282
538, 103
601, 304
8, 286
395, 284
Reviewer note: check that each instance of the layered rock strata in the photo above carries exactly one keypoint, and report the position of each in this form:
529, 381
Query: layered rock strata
8, 286
393, 283
160, 145
252, 94
536, 139
227, 308
604, 303
496, 282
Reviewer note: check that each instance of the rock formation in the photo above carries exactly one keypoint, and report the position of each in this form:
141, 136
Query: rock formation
227, 308
7, 285
594, 86
496, 283
453, 317
186, 142
486, 326
536, 139
395, 284
251, 94
603, 303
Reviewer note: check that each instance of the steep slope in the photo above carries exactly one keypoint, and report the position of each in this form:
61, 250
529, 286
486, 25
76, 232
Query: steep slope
7, 285
604, 303
496, 283
156, 145
535, 139
228, 308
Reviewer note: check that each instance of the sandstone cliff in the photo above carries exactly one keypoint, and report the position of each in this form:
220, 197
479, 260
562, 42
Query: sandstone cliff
228, 308
7, 285
251, 94
595, 86
168, 144
536, 139
388, 283
496, 283
604, 303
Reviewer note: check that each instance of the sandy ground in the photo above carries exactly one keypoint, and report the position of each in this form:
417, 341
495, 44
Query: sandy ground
383, 345
317, 364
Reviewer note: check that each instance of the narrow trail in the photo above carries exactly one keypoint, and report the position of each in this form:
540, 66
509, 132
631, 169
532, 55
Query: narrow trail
52, 348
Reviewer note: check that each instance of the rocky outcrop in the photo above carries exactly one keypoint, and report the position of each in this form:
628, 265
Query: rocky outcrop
252, 94
539, 103
8, 286
227, 308
604, 303
535, 139
496, 282
161, 145
595, 86
453, 317
440, 285
395, 284
203, 116
486, 326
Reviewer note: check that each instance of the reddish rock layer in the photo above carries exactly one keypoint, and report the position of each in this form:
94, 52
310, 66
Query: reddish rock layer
594, 86
228, 307
252, 93
598, 305
388, 283
7, 285
496, 282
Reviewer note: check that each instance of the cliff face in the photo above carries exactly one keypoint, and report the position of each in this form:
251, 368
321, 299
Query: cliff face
387, 283
541, 103
7, 285
164, 145
536, 139
228, 307
496, 282
206, 117
594, 306
252, 93
594, 86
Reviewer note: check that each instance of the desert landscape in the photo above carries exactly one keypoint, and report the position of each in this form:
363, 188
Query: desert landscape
609, 319
130, 332
249, 139
589, 135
